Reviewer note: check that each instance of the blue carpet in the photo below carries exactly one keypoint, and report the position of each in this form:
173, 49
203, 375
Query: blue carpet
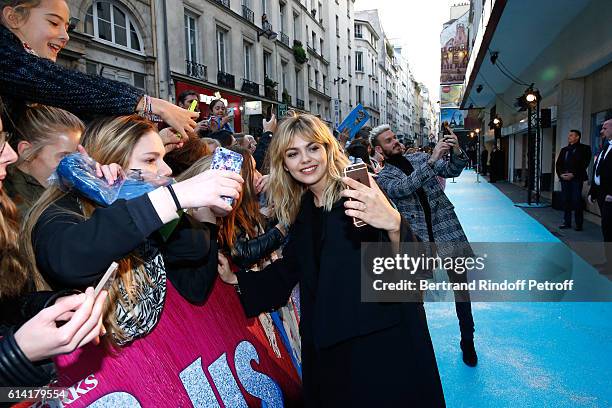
530, 354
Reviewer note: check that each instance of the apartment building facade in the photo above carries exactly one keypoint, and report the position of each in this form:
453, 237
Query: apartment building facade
115, 39
367, 72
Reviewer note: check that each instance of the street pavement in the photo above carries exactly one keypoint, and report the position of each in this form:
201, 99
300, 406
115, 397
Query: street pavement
530, 354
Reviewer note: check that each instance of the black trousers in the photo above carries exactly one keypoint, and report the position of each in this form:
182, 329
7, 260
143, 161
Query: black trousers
463, 306
606, 227
571, 197
393, 367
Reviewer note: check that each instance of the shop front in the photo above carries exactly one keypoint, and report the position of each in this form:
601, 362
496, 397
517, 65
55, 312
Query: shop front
232, 101
249, 111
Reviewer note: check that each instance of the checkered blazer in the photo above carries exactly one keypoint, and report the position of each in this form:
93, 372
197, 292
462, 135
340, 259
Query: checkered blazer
401, 189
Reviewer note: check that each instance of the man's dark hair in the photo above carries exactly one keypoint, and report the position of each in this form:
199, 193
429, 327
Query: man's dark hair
576, 131
183, 95
223, 136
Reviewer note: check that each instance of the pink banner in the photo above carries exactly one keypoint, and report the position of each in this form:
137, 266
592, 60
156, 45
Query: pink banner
202, 356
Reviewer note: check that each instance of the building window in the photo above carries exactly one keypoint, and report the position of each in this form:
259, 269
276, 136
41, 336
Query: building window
108, 22
132, 78
337, 26
267, 64
284, 76
359, 90
222, 64
191, 36
358, 32
358, 61
248, 52
296, 27
321, 46
314, 41
316, 79
282, 18
338, 55
297, 84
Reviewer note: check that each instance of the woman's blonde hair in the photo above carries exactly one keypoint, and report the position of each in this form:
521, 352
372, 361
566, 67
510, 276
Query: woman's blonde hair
39, 125
284, 192
107, 141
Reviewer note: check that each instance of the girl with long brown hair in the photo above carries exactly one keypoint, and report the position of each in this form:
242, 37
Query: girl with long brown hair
250, 241
72, 241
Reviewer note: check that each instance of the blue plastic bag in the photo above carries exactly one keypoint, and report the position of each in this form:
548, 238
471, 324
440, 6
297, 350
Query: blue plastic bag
78, 172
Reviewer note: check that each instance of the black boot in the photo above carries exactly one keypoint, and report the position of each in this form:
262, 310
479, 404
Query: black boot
470, 357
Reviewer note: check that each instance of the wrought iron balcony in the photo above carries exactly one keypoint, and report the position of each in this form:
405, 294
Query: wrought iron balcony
196, 70
226, 80
250, 87
268, 27
284, 38
287, 99
225, 3
311, 50
300, 104
248, 14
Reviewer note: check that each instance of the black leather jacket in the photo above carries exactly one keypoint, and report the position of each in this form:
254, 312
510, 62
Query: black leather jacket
15, 368
247, 252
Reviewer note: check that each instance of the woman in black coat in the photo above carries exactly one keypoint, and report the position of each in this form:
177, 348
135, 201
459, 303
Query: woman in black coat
353, 353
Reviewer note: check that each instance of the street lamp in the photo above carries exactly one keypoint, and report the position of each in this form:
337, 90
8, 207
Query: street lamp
530, 101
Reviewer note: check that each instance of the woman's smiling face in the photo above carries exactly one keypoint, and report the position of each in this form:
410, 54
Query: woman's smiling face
43, 28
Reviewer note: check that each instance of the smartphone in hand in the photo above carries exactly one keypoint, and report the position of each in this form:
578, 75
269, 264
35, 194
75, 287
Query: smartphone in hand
359, 172
225, 159
107, 279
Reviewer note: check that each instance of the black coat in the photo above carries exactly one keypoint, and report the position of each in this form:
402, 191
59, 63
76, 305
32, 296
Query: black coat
74, 253
341, 335
605, 178
27, 78
577, 163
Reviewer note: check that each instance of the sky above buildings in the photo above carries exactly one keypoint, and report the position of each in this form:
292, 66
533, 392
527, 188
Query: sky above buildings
416, 25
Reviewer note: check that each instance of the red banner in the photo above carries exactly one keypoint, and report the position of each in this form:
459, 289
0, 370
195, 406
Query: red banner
202, 356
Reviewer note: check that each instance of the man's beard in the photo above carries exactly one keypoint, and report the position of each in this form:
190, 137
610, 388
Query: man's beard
392, 153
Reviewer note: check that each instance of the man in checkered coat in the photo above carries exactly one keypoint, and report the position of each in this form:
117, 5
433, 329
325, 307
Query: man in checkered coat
411, 183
